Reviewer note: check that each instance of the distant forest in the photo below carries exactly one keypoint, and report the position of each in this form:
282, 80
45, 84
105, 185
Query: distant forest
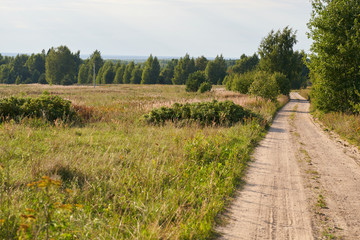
60, 66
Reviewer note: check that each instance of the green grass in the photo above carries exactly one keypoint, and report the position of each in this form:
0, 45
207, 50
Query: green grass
117, 177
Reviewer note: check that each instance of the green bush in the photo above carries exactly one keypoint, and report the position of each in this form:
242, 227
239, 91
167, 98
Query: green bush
265, 86
194, 81
46, 106
242, 82
205, 113
205, 87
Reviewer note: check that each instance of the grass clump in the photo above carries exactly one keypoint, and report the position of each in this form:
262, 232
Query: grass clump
205, 113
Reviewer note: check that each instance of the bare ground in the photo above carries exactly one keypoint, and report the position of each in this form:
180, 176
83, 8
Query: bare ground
302, 184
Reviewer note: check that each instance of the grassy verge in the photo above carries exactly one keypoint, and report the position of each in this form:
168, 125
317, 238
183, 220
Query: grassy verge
346, 125
118, 177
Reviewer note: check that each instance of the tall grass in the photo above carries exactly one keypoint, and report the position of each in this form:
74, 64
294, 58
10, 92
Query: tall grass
117, 177
346, 125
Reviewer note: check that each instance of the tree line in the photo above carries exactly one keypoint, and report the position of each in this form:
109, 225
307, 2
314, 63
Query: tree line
60, 66
276, 68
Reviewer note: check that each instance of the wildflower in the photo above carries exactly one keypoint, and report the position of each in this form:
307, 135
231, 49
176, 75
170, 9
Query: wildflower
2, 221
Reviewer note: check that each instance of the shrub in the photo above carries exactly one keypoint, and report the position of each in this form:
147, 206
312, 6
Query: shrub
265, 86
205, 87
46, 106
205, 113
242, 82
194, 81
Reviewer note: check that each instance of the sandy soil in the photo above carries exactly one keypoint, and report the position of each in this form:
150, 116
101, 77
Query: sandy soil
302, 184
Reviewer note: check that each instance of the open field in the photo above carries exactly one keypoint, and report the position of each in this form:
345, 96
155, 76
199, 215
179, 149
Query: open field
116, 177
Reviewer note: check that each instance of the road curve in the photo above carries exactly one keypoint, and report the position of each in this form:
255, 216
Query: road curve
277, 201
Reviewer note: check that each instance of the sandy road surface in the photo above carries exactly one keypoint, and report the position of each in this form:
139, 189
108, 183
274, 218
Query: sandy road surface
295, 164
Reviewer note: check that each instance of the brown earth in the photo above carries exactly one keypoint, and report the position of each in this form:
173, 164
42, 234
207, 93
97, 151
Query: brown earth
302, 184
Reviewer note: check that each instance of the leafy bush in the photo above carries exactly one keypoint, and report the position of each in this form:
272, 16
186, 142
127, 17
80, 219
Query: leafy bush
242, 82
205, 87
46, 106
205, 113
194, 81
265, 86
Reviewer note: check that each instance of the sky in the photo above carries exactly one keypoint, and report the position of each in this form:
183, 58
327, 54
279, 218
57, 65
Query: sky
144, 27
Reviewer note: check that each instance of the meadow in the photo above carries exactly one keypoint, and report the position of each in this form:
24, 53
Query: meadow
115, 176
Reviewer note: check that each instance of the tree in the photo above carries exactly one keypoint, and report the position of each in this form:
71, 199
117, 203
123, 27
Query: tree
182, 70
108, 73
245, 64
194, 81
36, 66
335, 60
239, 82
136, 75
60, 66
96, 58
119, 74
201, 63
83, 74
127, 74
277, 54
150, 74
216, 70
168, 72
265, 86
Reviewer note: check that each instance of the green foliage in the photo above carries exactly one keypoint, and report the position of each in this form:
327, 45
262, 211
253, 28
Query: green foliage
60, 66
106, 74
183, 69
283, 83
239, 82
46, 106
150, 74
216, 70
205, 113
277, 55
194, 81
334, 63
245, 64
119, 74
167, 73
127, 74
265, 86
84, 72
201, 63
205, 87
136, 75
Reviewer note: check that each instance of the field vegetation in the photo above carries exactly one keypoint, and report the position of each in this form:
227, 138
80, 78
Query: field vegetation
115, 176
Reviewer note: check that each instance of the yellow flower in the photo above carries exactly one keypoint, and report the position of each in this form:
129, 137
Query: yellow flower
2, 221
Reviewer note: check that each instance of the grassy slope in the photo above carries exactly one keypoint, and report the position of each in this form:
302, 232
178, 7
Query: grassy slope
120, 178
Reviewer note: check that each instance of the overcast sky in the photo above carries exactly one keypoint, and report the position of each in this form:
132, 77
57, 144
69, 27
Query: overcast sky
142, 27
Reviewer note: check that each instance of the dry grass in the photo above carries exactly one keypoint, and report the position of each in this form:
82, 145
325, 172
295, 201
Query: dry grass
133, 180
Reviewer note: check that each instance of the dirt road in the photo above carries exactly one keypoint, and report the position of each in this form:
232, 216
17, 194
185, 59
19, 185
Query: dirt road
301, 184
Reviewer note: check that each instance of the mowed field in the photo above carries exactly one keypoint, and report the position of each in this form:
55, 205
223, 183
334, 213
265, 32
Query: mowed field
117, 177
